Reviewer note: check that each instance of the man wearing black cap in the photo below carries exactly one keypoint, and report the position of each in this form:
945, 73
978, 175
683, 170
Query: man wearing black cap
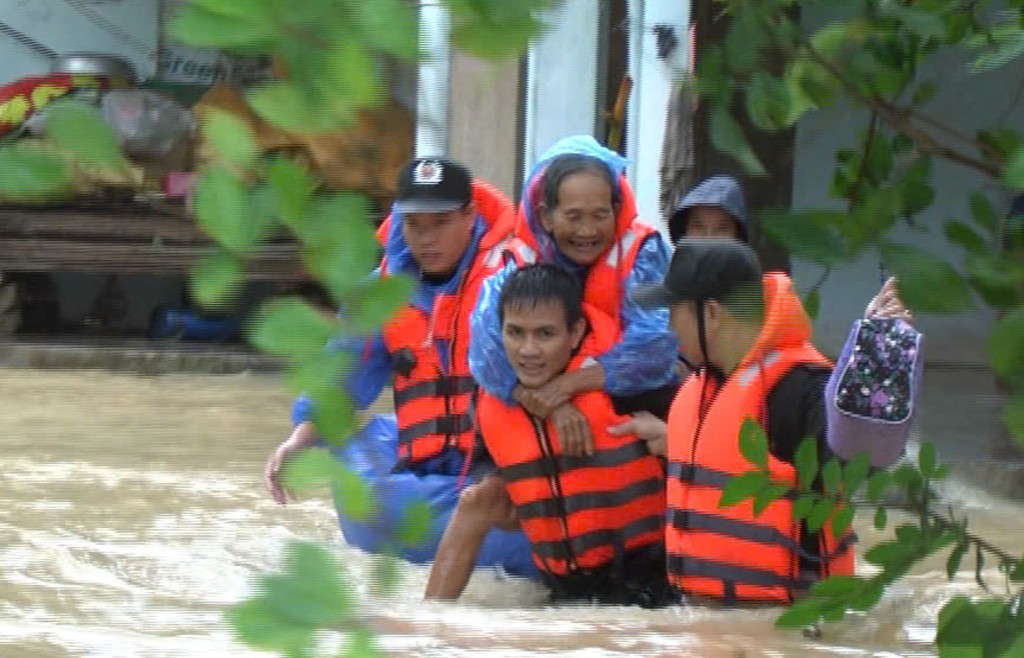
750, 340
447, 231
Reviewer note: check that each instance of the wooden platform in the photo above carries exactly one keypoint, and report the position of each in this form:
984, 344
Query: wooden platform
127, 238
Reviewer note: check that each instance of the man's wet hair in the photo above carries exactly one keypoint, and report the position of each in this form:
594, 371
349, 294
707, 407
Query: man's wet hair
537, 284
563, 166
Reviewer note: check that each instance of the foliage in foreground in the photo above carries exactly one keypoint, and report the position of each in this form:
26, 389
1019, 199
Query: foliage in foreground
876, 56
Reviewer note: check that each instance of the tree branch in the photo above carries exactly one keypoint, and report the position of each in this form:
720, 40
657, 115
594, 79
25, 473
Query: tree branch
898, 120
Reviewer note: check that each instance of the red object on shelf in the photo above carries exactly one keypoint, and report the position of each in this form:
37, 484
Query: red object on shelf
179, 184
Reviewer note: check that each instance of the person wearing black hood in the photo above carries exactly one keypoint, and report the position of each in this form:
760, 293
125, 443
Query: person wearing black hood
715, 208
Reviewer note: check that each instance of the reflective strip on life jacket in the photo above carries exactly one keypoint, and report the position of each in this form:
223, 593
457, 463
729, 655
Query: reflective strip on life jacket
434, 388
440, 427
581, 544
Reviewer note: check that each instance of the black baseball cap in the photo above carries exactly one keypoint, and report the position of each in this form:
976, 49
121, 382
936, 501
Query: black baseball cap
433, 185
702, 269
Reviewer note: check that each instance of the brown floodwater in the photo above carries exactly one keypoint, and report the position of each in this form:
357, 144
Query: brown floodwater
132, 514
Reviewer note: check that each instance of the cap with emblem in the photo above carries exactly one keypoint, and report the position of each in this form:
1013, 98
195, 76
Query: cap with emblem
433, 185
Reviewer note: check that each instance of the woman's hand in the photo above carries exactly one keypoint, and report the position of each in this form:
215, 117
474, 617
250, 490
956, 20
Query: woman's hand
887, 303
541, 402
573, 431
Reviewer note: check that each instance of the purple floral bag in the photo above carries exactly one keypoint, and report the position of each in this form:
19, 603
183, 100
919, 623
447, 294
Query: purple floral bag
871, 398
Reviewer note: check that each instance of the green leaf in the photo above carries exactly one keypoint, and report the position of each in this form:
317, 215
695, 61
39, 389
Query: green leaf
33, 172
318, 375
362, 644
351, 80
754, 443
998, 144
352, 494
924, 23
1006, 344
811, 235
742, 40
1009, 45
291, 327
309, 592
310, 469
767, 496
819, 515
334, 417
800, 615
890, 554
832, 476
208, 28
964, 627
81, 131
496, 37
415, 526
216, 279
877, 485
917, 192
836, 586
998, 278
389, 25
867, 597
727, 136
842, 519
257, 623
1013, 174
284, 105
963, 235
926, 459
924, 93
1013, 416
340, 245
742, 487
230, 137
293, 186
812, 304
806, 460
927, 283
810, 86
907, 476
802, 506
855, 472
881, 518
767, 101
225, 211
381, 301
956, 556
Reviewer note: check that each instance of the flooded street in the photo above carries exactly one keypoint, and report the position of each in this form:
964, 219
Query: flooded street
132, 513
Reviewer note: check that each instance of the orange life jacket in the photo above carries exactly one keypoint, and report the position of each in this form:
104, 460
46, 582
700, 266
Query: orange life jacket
604, 287
433, 404
577, 512
729, 553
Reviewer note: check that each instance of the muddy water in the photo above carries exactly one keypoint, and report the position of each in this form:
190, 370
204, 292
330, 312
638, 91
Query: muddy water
132, 514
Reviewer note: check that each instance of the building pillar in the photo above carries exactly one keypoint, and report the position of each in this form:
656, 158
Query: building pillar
485, 119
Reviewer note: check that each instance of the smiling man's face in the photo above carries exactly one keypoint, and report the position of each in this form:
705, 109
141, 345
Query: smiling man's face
539, 341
